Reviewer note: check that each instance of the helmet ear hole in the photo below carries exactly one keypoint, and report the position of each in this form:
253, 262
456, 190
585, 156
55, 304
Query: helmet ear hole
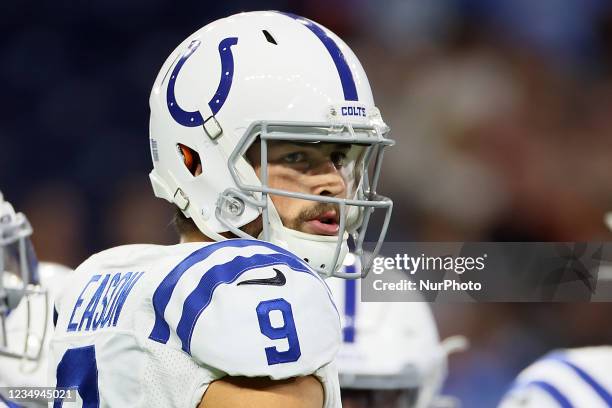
191, 159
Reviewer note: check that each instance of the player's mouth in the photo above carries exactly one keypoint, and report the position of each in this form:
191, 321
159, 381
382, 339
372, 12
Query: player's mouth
327, 223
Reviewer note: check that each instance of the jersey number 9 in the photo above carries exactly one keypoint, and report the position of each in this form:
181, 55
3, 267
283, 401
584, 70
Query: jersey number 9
286, 331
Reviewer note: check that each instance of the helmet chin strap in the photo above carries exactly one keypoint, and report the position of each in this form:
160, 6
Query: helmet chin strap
317, 250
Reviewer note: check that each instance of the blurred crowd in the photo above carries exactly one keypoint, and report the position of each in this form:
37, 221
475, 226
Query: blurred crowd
502, 113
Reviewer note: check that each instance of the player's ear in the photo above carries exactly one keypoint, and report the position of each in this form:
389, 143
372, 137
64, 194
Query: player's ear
191, 159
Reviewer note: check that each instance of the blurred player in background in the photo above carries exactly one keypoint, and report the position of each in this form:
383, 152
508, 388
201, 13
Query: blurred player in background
26, 307
391, 356
572, 378
262, 128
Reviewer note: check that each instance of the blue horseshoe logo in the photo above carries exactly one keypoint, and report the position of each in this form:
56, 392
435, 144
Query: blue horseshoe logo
192, 119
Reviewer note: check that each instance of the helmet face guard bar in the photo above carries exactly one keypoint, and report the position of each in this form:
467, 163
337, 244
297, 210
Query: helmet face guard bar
16, 251
33, 344
16, 232
366, 197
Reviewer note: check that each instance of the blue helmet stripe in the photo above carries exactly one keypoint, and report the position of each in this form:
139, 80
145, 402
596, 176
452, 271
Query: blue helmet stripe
163, 293
598, 388
344, 71
199, 299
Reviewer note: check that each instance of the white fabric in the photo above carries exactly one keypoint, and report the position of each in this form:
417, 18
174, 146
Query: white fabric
596, 362
20, 373
227, 338
396, 344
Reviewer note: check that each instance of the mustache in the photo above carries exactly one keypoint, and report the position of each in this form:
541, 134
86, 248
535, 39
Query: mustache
314, 211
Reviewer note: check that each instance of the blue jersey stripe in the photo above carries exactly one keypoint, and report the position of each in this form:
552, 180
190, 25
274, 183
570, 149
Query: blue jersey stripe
350, 306
553, 392
544, 386
201, 296
163, 293
598, 388
9, 404
344, 71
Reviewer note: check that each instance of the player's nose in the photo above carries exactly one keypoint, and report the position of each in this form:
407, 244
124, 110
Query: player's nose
327, 180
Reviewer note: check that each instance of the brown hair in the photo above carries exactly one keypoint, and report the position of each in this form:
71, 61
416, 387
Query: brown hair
182, 224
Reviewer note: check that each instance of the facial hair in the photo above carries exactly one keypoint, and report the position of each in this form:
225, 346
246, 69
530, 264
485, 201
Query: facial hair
310, 213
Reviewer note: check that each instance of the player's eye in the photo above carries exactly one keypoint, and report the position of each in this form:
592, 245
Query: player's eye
338, 158
295, 157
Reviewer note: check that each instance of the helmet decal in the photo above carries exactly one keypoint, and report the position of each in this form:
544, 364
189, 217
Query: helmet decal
227, 74
344, 71
192, 119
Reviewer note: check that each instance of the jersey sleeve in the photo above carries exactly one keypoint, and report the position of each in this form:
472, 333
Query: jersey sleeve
255, 311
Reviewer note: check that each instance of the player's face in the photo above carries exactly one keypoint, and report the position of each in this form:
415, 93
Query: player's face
323, 169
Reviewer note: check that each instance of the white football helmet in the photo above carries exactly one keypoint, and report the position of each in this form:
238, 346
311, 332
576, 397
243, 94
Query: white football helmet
26, 291
18, 268
391, 355
572, 378
265, 76
21, 336
23, 361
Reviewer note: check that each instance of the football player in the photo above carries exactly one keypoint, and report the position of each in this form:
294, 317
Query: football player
263, 129
572, 378
391, 356
26, 290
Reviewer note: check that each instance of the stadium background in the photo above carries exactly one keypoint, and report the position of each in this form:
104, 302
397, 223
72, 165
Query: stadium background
502, 111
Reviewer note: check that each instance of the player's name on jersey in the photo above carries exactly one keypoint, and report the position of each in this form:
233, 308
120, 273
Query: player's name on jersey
425, 285
101, 301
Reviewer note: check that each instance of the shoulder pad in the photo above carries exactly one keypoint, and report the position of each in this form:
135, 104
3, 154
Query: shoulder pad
249, 308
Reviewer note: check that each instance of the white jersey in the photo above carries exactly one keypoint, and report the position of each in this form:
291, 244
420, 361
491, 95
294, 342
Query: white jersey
572, 378
153, 326
388, 345
16, 372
